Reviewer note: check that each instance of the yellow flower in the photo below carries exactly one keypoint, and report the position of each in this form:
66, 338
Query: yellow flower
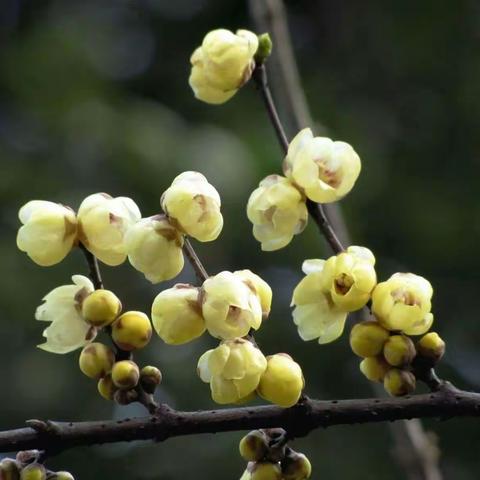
315, 314
325, 170
278, 211
62, 306
259, 287
233, 370
132, 330
282, 382
222, 64
177, 314
350, 278
48, 233
230, 308
103, 222
403, 303
154, 248
193, 206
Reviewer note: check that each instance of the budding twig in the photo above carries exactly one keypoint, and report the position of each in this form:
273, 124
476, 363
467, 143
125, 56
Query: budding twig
196, 263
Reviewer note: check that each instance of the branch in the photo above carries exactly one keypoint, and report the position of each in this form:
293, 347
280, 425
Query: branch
197, 265
298, 421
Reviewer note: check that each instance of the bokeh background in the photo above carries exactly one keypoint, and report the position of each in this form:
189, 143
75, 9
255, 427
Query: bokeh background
94, 97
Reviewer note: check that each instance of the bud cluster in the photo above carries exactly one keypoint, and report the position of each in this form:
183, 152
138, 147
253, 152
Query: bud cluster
269, 458
315, 168
27, 467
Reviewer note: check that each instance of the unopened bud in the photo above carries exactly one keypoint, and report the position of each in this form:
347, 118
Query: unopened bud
132, 331
296, 466
62, 476
367, 338
101, 308
125, 397
399, 350
34, 471
106, 387
150, 378
125, 374
431, 346
399, 382
96, 360
374, 368
266, 471
254, 446
9, 469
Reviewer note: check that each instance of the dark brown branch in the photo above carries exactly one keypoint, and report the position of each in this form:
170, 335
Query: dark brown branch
197, 265
316, 210
298, 421
94, 269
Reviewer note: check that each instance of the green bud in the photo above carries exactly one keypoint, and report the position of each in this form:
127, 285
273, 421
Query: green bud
150, 378
296, 466
34, 471
254, 446
264, 49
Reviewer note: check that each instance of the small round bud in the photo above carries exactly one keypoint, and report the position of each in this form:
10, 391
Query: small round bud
34, 471
62, 476
254, 446
399, 382
296, 466
150, 378
106, 387
264, 48
125, 374
132, 331
266, 471
367, 338
282, 382
399, 350
431, 346
374, 368
101, 308
96, 360
125, 397
9, 469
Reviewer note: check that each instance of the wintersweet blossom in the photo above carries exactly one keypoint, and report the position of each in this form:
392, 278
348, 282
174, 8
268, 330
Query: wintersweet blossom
62, 306
325, 170
222, 64
48, 233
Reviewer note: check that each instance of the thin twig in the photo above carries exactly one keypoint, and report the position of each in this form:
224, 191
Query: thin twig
94, 269
197, 265
297, 421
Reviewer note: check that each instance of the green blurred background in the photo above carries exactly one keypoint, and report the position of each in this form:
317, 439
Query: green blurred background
94, 97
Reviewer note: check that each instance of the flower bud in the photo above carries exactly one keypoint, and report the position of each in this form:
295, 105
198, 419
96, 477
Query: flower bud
132, 331
125, 397
431, 346
403, 303
103, 222
325, 170
229, 307
296, 466
125, 374
48, 233
278, 211
101, 308
96, 360
254, 446
154, 247
266, 471
259, 287
368, 338
350, 278
106, 387
193, 206
177, 314
9, 469
399, 382
33, 471
62, 476
150, 378
222, 64
399, 350
282, 382
374, 368
233, 370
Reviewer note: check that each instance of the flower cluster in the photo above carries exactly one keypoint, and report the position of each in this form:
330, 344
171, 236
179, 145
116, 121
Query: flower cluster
27, 467
112, 228
229, 306
270, 458
315, 168
401, 306
331, 289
